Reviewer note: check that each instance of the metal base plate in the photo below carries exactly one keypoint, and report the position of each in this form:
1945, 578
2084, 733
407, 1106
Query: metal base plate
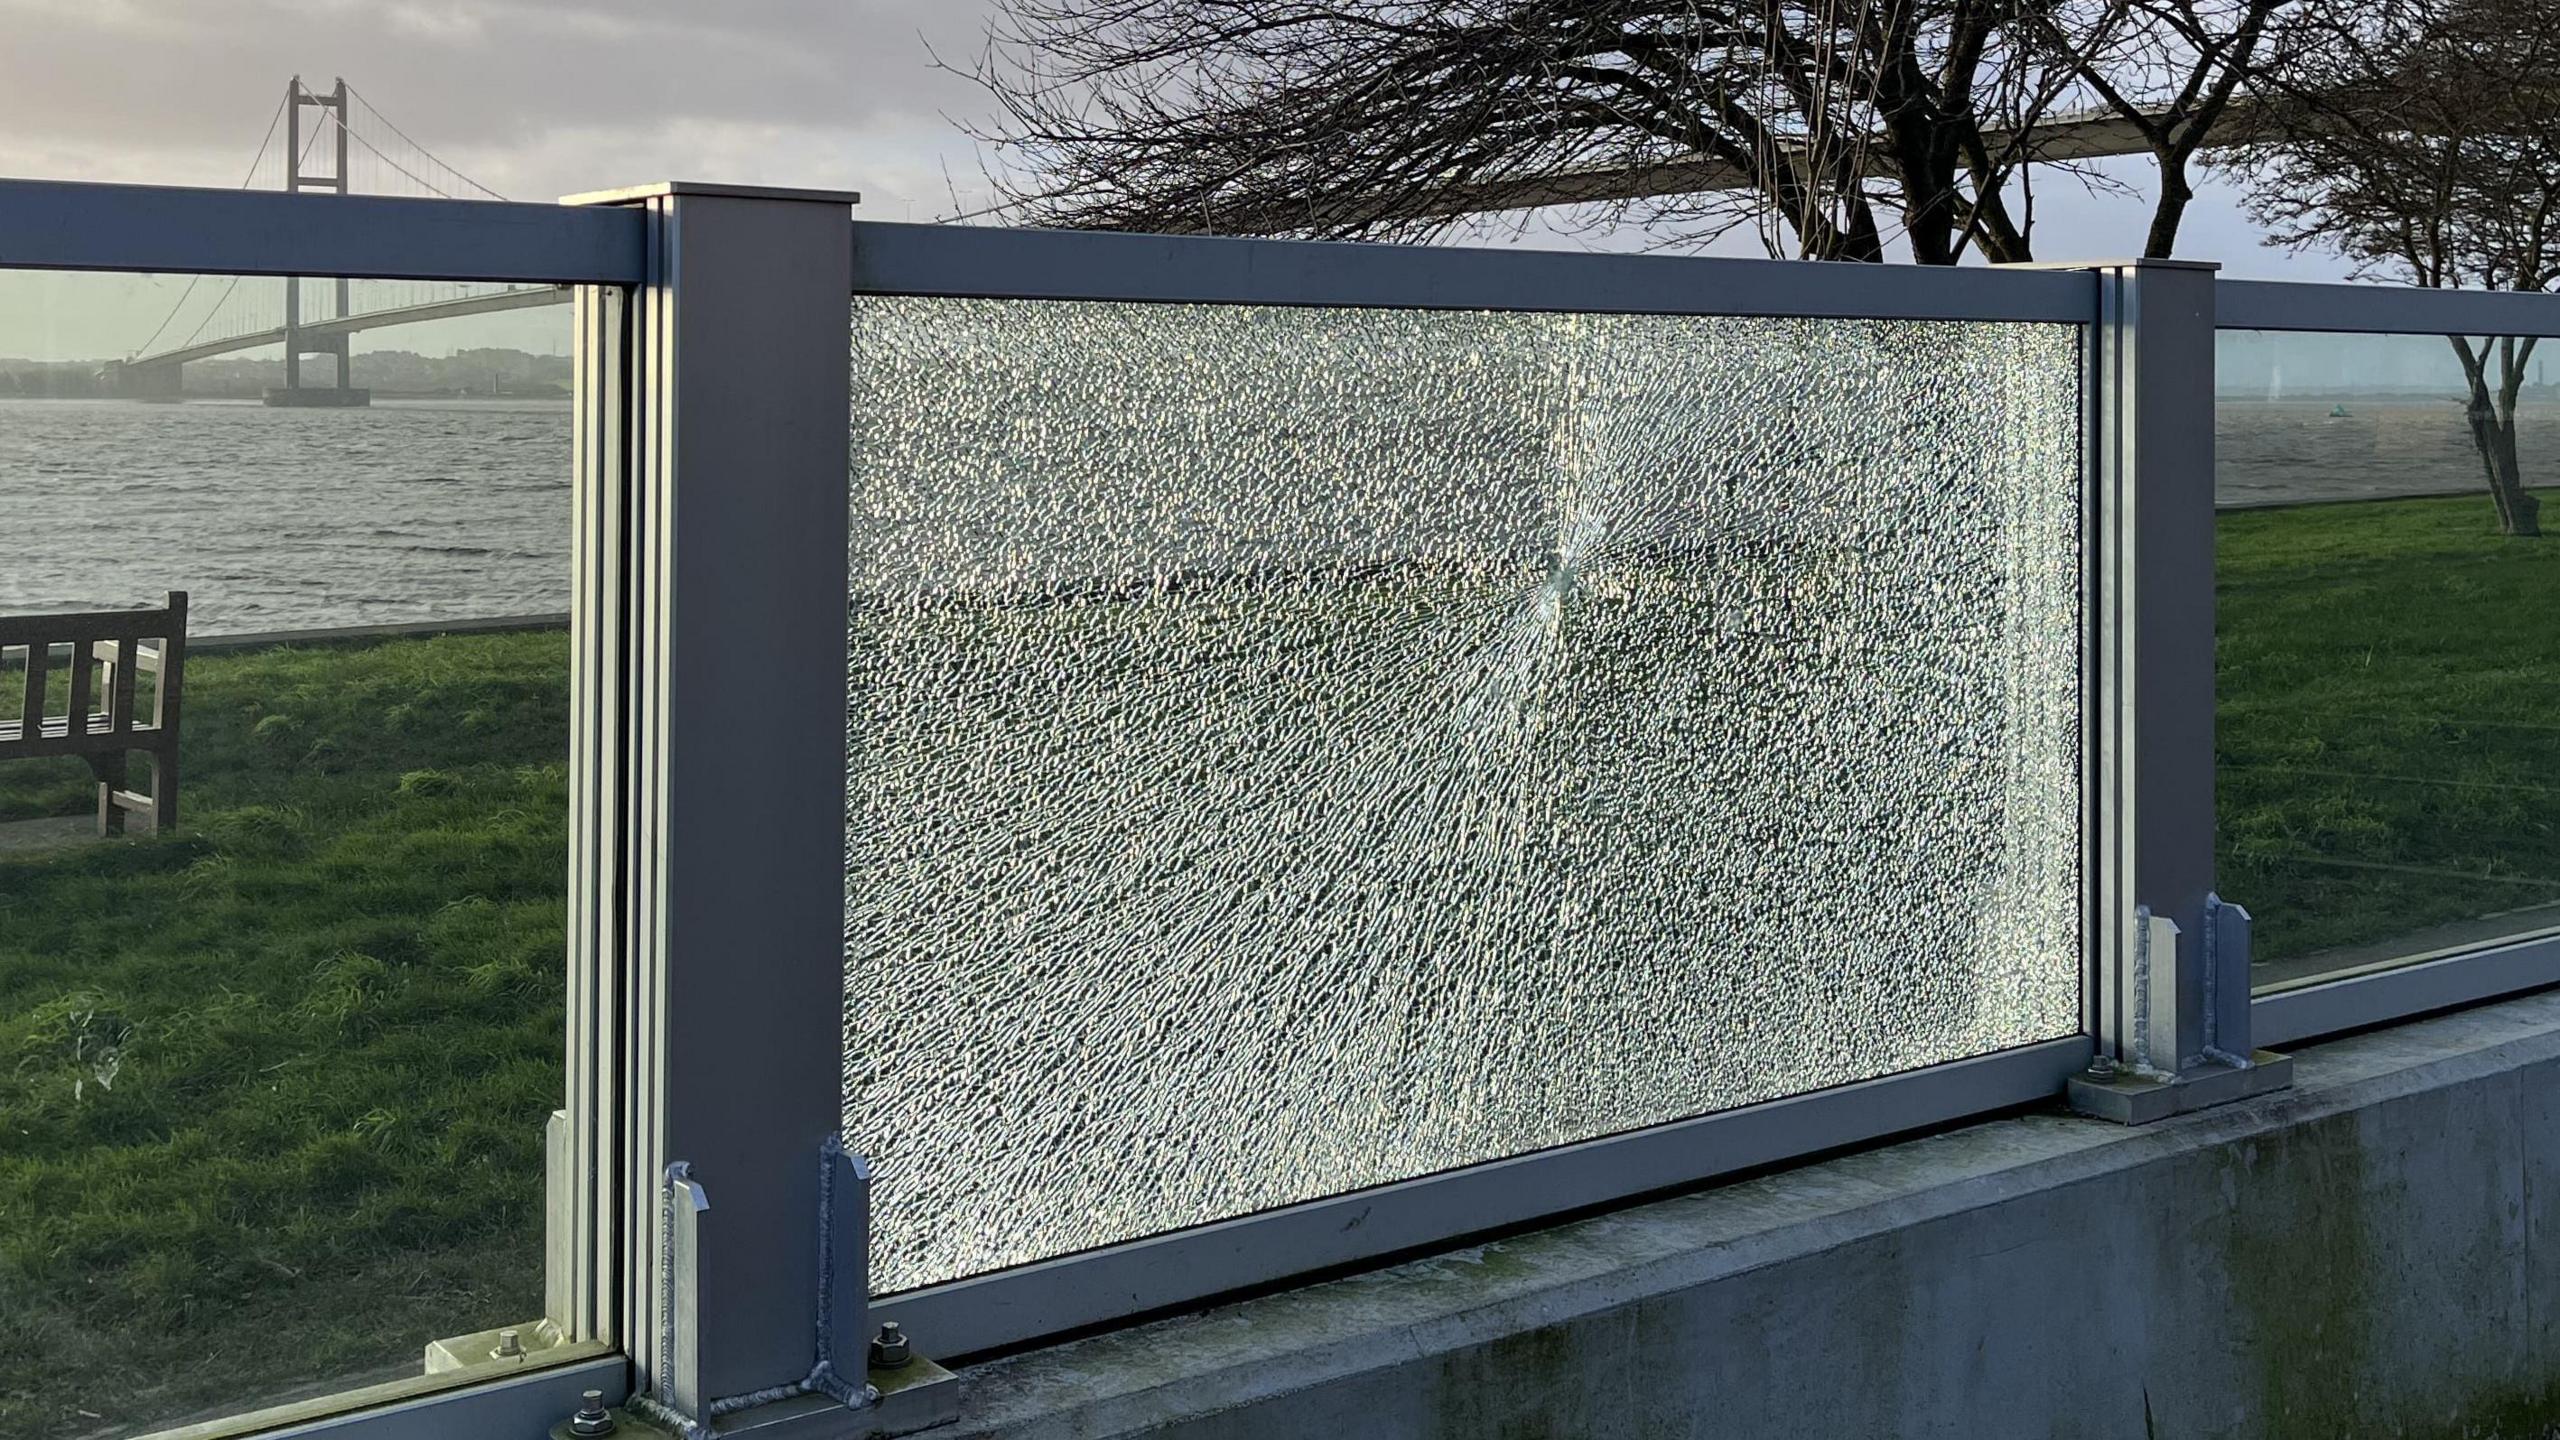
2130, 1099
916, 1396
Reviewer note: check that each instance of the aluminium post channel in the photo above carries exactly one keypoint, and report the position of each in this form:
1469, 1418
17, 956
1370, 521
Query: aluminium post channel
2172, 1013
722, 730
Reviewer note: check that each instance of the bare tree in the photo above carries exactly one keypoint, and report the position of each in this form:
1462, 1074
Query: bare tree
2172, 71
2445, 173
1834, 125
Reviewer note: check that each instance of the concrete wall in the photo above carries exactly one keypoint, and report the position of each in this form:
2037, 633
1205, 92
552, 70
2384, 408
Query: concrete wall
2373, 1253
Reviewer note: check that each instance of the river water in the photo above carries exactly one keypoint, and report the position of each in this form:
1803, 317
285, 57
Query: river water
427, 510
286, 519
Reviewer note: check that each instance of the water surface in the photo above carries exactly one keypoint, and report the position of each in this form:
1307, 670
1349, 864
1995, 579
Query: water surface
286, 519
439, 509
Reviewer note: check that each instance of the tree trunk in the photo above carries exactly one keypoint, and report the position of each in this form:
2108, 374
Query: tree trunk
2524, 508
2513, 355
2493, 430
2494, 436
2162, 242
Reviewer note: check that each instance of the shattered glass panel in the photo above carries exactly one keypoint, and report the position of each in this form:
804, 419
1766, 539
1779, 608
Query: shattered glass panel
1295, 750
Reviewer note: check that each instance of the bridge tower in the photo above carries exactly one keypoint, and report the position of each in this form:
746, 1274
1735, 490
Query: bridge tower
330, 108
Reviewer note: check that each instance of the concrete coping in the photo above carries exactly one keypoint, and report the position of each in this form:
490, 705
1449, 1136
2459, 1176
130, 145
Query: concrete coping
1336, 1358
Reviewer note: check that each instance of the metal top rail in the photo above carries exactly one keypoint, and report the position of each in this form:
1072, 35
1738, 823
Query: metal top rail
2382, 309
69, 225
66, 225
961, 261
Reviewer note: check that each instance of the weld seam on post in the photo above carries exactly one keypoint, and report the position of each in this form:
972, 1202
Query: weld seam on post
822, 1378
2212, 973
666, 1377
829, 1150
668, 1416
2142, 987
2213, 1051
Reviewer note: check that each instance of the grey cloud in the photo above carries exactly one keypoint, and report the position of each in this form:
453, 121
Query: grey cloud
541, 97
664, 84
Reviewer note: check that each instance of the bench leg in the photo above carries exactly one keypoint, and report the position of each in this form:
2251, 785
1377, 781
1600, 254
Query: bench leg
110, 770
164, 791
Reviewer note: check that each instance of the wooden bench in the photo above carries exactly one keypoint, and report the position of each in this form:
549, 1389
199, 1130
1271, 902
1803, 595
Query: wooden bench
109, 650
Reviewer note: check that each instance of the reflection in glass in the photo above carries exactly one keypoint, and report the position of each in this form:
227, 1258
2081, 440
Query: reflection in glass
1296, 750
273, 1081
2387, 665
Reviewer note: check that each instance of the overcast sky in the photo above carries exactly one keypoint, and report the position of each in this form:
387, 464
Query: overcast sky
534, 98
539, 98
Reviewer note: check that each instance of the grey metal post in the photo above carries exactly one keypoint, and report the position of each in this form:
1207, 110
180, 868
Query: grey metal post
2171, 1011
298, 95
601, 704
345, 343
712, 613
293, 94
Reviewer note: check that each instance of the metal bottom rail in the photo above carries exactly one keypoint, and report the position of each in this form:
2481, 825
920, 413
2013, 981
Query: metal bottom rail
968, 1317
2404, 990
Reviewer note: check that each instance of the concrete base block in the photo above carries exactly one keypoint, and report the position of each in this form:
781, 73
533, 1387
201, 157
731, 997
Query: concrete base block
318, 398
2368, 1253
918, 1395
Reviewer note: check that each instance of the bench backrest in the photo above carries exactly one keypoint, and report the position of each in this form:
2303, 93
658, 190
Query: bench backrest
90, 721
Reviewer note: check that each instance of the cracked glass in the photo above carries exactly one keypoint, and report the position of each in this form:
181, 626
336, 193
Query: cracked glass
1295, 750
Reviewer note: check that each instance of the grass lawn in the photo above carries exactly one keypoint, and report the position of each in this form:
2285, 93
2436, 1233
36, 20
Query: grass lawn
272, 1089
2390, 712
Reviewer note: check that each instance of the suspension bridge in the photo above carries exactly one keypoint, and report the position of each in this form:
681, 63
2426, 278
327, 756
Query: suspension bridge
334, 143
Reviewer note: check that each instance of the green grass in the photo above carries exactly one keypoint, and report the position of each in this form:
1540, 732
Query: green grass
2389, 720
272, 1088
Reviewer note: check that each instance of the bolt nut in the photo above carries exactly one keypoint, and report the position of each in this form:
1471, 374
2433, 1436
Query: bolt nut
592, 1418
2102, 1068
889, 1348
510, 1346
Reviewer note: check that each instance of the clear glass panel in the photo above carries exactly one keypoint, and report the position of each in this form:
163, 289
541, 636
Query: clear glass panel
273, 1080
2387, 667
1295, 750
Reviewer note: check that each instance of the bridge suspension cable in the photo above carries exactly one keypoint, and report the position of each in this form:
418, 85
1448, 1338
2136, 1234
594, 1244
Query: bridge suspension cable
431, 156
273, 122
398, 165
241, 324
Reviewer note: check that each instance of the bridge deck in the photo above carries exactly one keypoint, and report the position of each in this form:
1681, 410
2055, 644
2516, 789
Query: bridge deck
522, 298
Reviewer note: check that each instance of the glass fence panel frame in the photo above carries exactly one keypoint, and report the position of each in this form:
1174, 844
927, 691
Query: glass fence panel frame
708, 1226
1013, 1306
1504, 628
2377, 994
66, 227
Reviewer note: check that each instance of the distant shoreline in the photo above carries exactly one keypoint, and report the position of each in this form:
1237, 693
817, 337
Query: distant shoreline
396, 630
